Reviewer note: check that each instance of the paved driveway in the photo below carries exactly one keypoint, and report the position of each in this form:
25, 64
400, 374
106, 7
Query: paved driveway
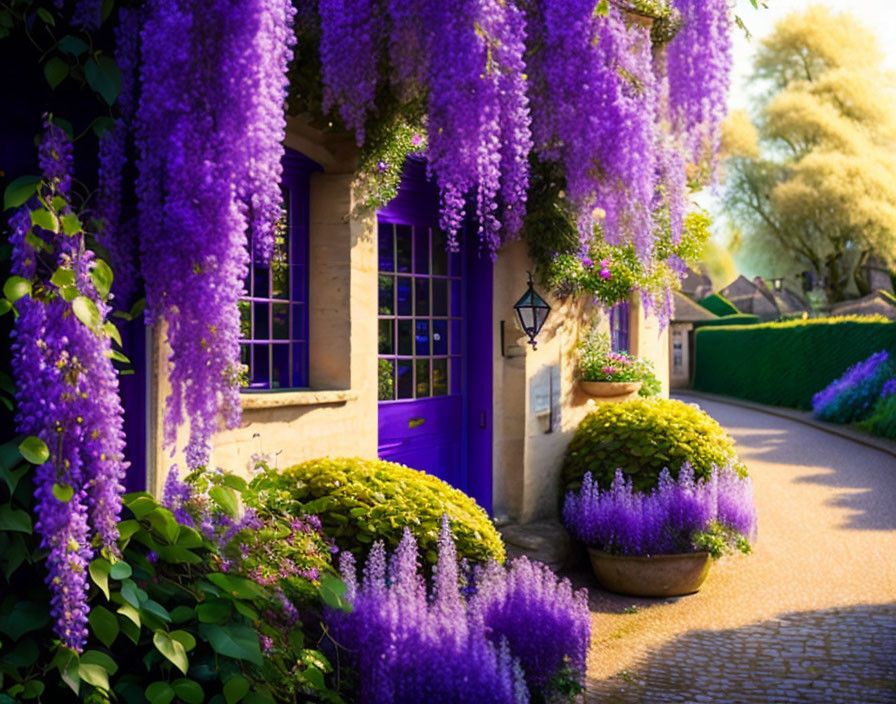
810, 616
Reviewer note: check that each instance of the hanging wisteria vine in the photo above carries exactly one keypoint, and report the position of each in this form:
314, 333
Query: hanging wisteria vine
67, 388
210, 137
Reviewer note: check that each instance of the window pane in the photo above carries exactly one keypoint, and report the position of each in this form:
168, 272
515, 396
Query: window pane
386, 382
386, 337
439, 337
299, 365
280, 367
261, 281
439, 254
421, 250
280, 316
421, 337
403, 294
455, 299
440, 377
439, 297
403, 235
406, 337
386, 247
405, 381
387, 296
261, 367
422, 385
280, 266
421, 289
454, 264
245, 320
455, 337
260, 312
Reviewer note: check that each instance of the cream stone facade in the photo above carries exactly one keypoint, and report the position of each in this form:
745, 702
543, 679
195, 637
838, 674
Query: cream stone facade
536, 401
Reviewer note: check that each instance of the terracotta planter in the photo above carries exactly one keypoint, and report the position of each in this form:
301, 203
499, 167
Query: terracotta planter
607, 389
653, 575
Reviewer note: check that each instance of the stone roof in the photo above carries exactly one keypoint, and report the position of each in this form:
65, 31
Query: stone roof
684, 310
750, 297
789, 301
877, 303
695, 285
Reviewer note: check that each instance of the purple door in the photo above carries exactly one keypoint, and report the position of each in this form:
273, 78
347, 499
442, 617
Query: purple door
434, 385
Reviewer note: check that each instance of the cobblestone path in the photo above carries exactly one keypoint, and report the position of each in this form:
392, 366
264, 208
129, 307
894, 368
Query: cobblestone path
809, 617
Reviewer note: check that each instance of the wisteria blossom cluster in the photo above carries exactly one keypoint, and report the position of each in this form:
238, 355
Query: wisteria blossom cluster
679, 515
852, 396
209, 127
506, 635
67, 388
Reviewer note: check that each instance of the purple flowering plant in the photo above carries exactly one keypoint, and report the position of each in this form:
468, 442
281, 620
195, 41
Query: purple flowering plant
853, 396
493, 634
677, 516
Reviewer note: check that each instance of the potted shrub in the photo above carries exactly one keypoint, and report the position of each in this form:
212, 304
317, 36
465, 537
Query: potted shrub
607, 374
659, 543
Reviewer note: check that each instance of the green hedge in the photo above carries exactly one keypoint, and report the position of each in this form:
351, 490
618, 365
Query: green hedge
718, 304
785, 364
739, 319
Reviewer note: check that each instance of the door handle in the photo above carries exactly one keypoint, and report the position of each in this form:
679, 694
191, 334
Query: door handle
416, 422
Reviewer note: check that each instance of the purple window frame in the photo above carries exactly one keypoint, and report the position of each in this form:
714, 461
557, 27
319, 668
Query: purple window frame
423, 355
619, 327
274, 321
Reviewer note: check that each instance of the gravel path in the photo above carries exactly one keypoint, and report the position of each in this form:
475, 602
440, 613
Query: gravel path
810, 616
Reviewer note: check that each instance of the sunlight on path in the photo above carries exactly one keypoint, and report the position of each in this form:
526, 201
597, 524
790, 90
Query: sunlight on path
827, 540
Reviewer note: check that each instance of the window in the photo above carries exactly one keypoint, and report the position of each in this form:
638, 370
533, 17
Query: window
274, 313
419, 314
619, 324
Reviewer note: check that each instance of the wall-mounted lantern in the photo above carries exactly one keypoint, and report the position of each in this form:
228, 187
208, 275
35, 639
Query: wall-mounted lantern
532, 310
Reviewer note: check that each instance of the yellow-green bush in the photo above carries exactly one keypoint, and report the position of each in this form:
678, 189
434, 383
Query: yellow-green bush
643, 436
360, 501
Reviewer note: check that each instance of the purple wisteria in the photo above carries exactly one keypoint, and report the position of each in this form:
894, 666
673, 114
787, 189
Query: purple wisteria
699, 67
668, 519
209, 129
67, 392
852, 396
507, 634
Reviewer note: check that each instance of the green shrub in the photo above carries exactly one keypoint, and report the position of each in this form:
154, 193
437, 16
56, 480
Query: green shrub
737, 319
785, 364
643, 436
882, 421
718, 304
360, 501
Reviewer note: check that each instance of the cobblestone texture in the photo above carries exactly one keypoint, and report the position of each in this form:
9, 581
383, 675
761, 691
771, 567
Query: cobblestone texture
809, 617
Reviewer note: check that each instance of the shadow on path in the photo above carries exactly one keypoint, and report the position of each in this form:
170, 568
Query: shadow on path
834, 656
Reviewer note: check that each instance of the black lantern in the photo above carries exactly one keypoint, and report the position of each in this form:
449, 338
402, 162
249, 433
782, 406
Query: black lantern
532, 310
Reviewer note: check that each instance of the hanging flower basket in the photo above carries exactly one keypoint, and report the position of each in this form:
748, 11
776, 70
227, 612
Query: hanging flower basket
650, 575
610, 389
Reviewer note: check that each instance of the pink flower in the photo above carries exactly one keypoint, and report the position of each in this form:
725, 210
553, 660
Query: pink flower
605, 269
609, 371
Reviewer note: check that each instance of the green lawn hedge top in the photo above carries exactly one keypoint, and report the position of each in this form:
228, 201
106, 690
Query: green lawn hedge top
643, 436
360, 501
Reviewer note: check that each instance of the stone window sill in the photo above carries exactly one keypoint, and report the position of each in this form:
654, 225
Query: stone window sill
281, 399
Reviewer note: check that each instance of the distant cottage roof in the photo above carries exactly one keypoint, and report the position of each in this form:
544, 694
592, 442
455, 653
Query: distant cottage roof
877, 303
750, 297
684, 310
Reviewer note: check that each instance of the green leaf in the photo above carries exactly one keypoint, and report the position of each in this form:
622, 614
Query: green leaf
185, 638
19, 191
181, 614
332, 590
101, 275
131, 594
164, 524
141, 505
99, 572
68, 671
112, 331
13, 552
235, 689
120, 570
130, 613
104, 76
226, 499
238, 642
55, 71
16, 287
63, 492
97, 657
45, 219
155, 609
176, 554
62, 278
72, 45
71, 225
102, 125
86, 311
118, 357
236, 586
189, 538
15, 519
172, 650
24, 617
235, 482
188, 690
5, 306
34, 450
104, 625
160, 693
214, 611
95, 675
45, 15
